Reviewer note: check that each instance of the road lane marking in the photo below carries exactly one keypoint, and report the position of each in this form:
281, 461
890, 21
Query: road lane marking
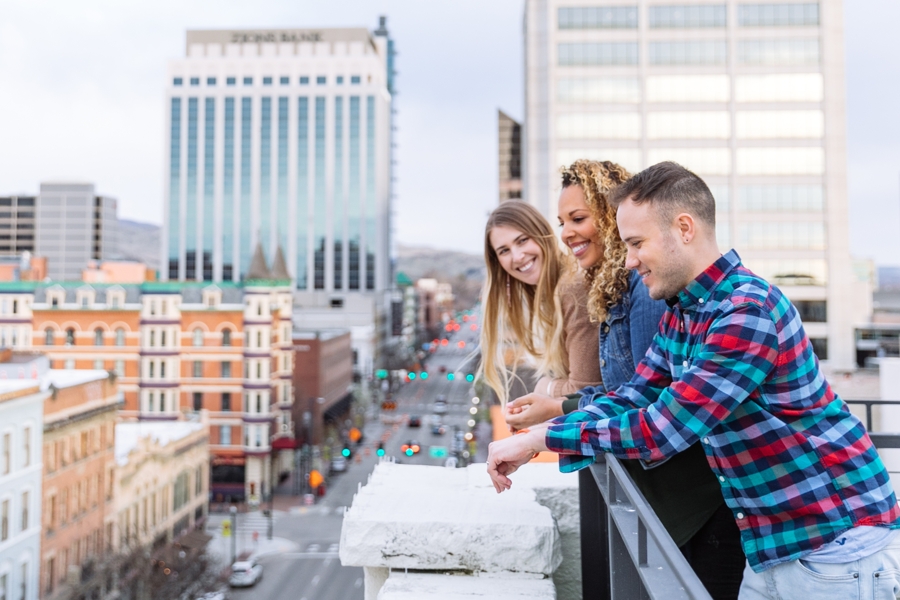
315, 580
358, 582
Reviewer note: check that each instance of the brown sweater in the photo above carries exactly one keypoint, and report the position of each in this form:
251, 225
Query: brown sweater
582, 339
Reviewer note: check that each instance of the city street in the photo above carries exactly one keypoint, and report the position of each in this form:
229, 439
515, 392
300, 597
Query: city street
301, 562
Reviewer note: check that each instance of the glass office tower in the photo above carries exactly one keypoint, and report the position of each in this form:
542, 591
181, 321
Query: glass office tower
282, 138
749, 95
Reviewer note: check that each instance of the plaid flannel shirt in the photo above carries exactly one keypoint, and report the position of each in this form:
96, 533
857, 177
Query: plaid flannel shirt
733, 368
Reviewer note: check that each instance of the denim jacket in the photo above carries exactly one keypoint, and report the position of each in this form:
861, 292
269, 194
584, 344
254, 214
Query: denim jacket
625, 336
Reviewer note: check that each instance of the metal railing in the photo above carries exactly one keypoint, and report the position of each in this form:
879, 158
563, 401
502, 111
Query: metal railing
626, 553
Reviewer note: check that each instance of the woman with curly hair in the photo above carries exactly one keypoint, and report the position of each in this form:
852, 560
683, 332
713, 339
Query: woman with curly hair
683, 491
534, 305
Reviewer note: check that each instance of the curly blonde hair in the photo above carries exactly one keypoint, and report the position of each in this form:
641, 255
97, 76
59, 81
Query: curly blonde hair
607, 280
519, 317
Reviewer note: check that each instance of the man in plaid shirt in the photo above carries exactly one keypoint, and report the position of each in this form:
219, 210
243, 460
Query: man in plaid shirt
732, 368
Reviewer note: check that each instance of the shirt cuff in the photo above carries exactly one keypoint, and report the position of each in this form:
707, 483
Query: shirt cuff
570, 403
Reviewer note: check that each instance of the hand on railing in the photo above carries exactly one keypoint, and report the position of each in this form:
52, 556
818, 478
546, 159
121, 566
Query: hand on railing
506, 456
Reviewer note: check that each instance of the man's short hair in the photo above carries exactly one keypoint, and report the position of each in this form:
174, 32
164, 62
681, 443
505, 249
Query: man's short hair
673, 189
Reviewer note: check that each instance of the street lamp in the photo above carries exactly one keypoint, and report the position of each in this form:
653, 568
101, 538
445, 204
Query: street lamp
233, 511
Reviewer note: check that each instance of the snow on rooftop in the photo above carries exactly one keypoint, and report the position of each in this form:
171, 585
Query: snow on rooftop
63, 378
162, 432
14, 385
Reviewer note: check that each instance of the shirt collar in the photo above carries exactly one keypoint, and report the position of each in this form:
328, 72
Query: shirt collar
700, 289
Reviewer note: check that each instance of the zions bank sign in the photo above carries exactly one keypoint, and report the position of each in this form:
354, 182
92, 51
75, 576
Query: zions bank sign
258, 37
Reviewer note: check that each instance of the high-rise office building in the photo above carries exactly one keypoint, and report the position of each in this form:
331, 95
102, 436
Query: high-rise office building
749, 95
509, 150
280, 137
74, 226
16, 225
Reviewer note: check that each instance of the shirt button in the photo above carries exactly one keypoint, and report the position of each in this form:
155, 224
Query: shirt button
605, 328
684, 364
602, 363
740, 515
706, 440
700, 300
722, 479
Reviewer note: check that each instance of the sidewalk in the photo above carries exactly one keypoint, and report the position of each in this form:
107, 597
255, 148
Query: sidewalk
220, 546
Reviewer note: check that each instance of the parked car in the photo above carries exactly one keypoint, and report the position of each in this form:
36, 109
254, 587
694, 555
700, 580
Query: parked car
245, 573
415, 421
338, 464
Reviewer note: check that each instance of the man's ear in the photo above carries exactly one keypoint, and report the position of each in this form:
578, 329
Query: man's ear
686, 226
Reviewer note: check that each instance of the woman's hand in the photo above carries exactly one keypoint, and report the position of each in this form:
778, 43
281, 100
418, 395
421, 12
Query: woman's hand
532, 409
544, 386
506, 456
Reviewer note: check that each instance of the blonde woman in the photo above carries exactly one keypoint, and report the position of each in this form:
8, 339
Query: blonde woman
535, 306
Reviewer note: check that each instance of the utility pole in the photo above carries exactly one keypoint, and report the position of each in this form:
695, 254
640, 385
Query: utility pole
233, 511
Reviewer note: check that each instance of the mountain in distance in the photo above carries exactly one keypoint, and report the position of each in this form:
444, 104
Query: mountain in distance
464, 271
140, 242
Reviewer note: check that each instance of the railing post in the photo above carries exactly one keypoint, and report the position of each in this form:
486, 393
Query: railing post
594, 533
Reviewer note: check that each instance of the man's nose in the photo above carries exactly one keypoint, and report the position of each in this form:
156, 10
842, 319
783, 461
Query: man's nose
631, 261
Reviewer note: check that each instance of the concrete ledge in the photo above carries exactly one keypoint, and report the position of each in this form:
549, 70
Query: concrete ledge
435, 586
439, 519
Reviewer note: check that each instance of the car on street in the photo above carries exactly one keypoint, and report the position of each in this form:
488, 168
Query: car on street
338, 464
415, 421
437, 429
245, 573
436, 420
440, 407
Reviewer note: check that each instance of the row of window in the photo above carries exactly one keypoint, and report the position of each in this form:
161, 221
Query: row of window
231, 81
70, 503
793, 87
672, 125
9, 525
15, 450
711, 161
93, 543
769, 52
153, 335
79, 446
689, 16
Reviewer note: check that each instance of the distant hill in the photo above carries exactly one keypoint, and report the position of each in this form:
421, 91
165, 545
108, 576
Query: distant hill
139, 241
465, 272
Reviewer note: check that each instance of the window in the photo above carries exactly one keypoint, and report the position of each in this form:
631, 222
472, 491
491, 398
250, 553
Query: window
26, 447
23, 588
210, 81
150, 401
248, 81
355, 80
340, 80
225, 435
703, 161
4, 520
259, 369
25, 500
812, 311
337, 303
226, 401
304, 81
605, 125
198, 368
782, 87
259, 339
198, 337
162, 369
177, 81
778, 52
259, 406
152, 364
115, 301
230, 80
690, 16
152, 338
15, 307
598, 17
226, 369
688, 88
698, 52
781, 161
195, 81
689, 125
785, 235
598, 54
198, 401
7, 453
98, 364
781, 198
69, 364
98, 337
120, 368
780, 124
48, 336
284, 80
321, 80
120, 337
226, 337
778, 15
599, 89
820, 347
162, 338
70, 337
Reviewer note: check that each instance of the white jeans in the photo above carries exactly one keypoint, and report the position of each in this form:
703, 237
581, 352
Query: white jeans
875, 577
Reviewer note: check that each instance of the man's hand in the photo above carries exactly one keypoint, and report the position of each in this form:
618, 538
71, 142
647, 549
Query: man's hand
532, 409
506, 456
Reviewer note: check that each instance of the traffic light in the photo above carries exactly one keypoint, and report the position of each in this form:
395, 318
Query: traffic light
423, 375
346, 452
451, 376
470, 378
411, 376
380, 450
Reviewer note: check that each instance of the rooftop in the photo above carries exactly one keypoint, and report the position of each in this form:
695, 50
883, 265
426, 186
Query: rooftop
163, 433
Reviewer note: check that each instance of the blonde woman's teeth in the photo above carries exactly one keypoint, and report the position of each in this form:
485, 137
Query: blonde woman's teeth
526, 268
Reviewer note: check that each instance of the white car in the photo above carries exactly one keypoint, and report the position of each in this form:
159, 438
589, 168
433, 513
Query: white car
338, 464
440, 407
245, 573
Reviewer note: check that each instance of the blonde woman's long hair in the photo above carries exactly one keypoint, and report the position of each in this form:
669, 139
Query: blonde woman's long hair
519, 317
608, 280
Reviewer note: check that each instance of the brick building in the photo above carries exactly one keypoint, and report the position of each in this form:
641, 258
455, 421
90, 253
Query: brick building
323, 376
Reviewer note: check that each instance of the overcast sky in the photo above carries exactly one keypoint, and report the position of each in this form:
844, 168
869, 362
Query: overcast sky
82, 98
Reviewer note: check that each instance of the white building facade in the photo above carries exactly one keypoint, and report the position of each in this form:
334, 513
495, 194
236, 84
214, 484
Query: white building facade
748, 95
280, 137
21, 440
